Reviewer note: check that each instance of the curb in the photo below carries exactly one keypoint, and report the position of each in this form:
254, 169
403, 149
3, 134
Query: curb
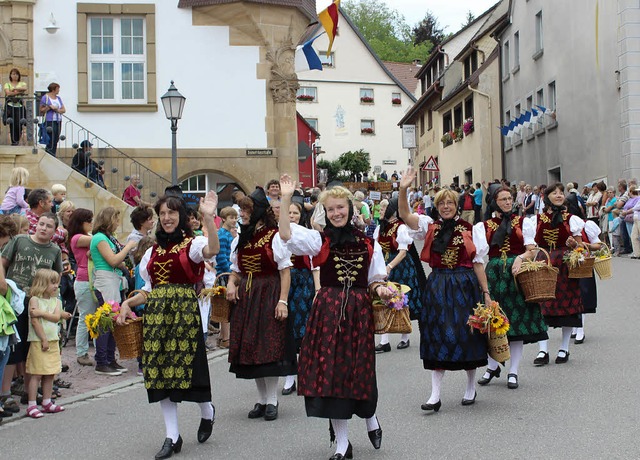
213, 356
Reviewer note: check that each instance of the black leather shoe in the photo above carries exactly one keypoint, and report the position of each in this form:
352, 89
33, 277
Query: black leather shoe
257, 411
434, 407
383, 348
288, 391
512, 385
468, 402
578, 341
541, 359
560, 359
348, 454
375, 436
169, 448
402, 345
271, 412
492, 373
206, 426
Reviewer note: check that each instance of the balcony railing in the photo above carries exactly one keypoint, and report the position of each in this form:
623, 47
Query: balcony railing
112, 168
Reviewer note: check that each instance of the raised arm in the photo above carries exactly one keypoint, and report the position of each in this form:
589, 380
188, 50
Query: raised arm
287, 187
410, 219
208, 207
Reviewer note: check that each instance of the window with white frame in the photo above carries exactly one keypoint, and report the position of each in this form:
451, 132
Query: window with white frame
396, 98
539, 35
506, 68
366, 95
117, 59
516, 50
551, 96
307, 94
327, 61
195, 184
367, 126
313, 122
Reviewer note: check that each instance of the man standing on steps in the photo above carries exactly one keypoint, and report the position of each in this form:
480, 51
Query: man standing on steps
83, 163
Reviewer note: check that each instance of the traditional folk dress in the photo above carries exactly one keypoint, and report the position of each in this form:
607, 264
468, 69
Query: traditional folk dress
588, 290
526, 321
337, 372
392, 240
452, 292
260, 345
301, 295
174, 359
565, 310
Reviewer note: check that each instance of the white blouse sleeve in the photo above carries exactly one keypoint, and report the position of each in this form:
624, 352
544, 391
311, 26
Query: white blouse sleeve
480, 242
195, 251
576, 225
423, 226
281, 254
593, 231
403, 239
377, 267
304, 241
233, 257
529, 230
376, 233
144, 274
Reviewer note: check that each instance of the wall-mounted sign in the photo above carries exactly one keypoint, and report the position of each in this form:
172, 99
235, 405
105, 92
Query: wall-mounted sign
430, 165
389, 162
408, 136
259, 153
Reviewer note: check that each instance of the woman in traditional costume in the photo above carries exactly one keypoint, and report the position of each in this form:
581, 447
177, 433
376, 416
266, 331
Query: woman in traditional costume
511, 241
337, 372
455, 286
174, 357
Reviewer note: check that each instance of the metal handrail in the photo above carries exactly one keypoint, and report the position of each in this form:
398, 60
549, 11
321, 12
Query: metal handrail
118, 166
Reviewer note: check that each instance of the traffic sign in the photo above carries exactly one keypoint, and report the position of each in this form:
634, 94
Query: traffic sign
431, 165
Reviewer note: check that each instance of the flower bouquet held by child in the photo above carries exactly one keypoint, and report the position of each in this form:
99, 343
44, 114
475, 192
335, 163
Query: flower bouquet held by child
392, 316
491, 320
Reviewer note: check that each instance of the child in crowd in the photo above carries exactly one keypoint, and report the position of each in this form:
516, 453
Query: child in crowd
43, 360
22, 223
616, 233
194, 221
59, 193
144, 244
228, 231
14, 202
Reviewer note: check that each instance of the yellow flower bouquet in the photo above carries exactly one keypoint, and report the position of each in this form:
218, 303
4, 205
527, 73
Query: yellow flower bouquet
104, 319
491, 320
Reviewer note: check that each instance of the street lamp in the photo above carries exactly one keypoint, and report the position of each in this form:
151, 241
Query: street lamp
173, 103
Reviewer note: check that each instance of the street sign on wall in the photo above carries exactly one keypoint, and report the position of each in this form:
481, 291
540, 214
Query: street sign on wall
408, 136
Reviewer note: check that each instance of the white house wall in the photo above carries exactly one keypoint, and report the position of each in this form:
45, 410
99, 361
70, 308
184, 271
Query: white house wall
339, 91
225, 106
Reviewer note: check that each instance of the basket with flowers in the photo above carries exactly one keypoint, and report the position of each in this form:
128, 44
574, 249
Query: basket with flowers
491, 320
538, 279
217, 294
128, 337
392, 316
602, 264
580, 262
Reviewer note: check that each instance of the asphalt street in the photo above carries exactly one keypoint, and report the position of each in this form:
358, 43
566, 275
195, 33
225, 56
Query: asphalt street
586, 409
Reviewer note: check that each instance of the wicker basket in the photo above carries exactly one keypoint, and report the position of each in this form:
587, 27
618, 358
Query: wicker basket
585, 269
498, 346
603, 267
220, 305
398, 321
129, 338
380, 316
539, 285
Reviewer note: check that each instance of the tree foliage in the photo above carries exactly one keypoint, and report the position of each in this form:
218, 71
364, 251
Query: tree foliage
357, 162
469, 18
334, 169
386, 31
428, 30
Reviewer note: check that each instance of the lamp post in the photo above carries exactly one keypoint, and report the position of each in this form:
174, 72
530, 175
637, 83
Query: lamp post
173, 103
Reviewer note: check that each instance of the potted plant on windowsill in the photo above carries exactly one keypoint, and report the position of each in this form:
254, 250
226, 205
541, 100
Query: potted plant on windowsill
457, 134
447, 139
396, 101
467, 127
366, 100
306, 98
366, 131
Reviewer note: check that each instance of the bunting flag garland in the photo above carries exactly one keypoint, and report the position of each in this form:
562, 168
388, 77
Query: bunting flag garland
526, 119
329, 20
542, 109
306, 57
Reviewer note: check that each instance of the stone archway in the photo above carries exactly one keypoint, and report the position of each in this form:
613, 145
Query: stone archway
197, 183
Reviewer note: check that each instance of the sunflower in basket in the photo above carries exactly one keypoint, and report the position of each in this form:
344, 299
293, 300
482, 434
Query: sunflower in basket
489, 318
215, 291
104, 319
575, 257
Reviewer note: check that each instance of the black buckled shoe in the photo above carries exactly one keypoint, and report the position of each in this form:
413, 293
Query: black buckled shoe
492, 373
562, 359
257, 411
169, 448
348, 454
288, 391
383, 348
512, 385
541, 359
206, 426
375, 436
402, 345
271, 412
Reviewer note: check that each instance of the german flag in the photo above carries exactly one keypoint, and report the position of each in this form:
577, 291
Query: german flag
329, 20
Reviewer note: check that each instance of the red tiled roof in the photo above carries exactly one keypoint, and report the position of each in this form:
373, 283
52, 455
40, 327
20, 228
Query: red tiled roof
405, 73
308, 7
